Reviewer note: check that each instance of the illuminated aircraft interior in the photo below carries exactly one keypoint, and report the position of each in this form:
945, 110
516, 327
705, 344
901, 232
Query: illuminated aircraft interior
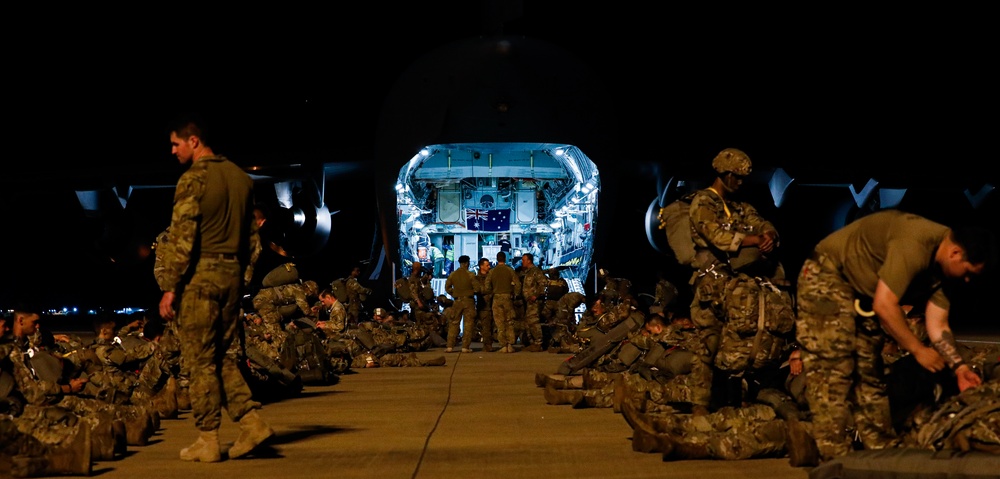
471, 197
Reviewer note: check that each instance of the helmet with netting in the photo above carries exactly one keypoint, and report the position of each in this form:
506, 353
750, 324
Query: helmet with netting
732, 160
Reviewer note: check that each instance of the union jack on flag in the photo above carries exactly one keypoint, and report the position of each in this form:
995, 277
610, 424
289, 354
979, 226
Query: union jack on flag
487, 220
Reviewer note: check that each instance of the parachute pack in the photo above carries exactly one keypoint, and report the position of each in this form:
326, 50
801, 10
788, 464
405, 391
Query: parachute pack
676, 220
339, 288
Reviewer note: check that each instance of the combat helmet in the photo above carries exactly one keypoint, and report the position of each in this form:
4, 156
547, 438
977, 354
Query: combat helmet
732, 160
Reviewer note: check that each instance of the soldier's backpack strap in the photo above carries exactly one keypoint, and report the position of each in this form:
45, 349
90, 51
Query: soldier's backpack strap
761, 316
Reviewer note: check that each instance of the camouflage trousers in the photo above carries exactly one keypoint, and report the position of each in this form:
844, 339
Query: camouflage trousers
729, 433
533, 322
694, 388
466, 315
485, 320
388, 360
841, 354
207, 323
503, 315
601, 391
353, 313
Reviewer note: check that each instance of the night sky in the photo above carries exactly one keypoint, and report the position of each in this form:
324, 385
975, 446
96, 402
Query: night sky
907, 97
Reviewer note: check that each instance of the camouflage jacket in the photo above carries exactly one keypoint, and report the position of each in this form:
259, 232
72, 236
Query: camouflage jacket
722, 225
534, 283
177, 250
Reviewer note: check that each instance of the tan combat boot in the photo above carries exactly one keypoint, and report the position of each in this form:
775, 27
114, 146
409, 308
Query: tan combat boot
802, 450
557, 397
438, 361
205, 449
253, 431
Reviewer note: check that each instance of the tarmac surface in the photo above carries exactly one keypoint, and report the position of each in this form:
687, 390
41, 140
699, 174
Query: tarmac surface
479, 416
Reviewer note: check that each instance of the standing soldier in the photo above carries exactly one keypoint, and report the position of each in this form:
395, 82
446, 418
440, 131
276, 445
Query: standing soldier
533, 291
484, 306
502, 282
213, 241
462, 285
849, 300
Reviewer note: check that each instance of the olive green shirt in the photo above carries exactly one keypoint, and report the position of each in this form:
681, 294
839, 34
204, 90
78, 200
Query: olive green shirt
209, 195
462, 284
893, 246
502, 280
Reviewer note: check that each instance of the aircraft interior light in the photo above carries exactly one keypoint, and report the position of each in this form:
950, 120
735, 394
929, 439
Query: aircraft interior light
399, 187
418, 225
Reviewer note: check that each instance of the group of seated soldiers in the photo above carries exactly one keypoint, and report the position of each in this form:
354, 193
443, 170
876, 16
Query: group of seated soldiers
67, 401
739, 395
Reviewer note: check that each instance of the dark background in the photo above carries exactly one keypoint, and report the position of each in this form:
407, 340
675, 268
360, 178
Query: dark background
903, 96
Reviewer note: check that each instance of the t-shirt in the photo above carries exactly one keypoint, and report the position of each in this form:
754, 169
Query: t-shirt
893, 246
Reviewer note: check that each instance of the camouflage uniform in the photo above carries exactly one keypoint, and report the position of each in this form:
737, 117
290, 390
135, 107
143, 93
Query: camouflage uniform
388, 360
681, 376
268, 338
356, 295
420, 294
968, 420
841, 348
718, 227
45, 441
484, 313
564, 322
336, 321
462, 285
501, 283
269, 301
43, 393
533, 291
730, 433
207, 266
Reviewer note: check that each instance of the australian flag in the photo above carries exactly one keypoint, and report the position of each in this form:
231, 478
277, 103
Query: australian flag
487, 220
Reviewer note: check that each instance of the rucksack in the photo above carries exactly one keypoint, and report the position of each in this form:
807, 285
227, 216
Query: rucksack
403, 289
339, 287
675, 218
